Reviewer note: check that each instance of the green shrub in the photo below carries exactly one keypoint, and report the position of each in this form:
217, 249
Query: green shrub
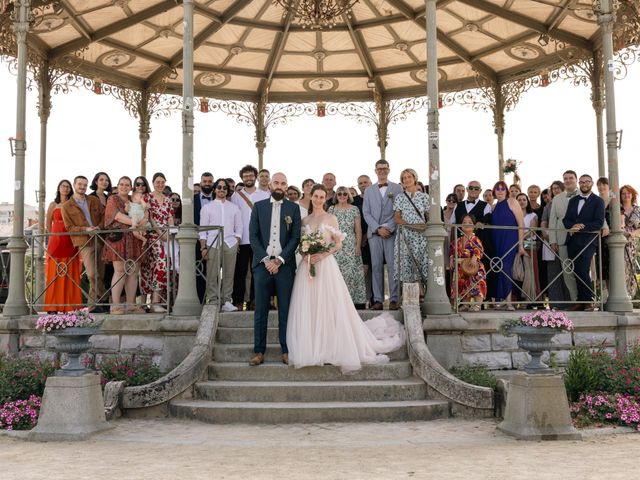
22, 377
580, 374
135, 370
475, 375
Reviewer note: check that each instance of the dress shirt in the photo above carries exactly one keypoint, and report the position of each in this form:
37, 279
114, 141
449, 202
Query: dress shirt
383, 189
221, 214
274, 249
204, 200
84, 206
245, 210
582, 201
469, 204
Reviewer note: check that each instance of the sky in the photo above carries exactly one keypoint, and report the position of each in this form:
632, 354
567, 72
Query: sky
550, 130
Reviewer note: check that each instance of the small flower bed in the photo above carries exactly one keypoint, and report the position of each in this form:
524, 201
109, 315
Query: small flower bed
75, 318
602, 409
539, 319
22, 377
20, 414
135, 370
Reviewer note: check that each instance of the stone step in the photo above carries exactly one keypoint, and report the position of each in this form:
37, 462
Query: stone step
308, 412
277, 371
243, 335
245, 319
320, 391
238, 352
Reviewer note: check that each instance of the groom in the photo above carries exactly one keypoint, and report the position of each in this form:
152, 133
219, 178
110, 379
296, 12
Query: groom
274, 233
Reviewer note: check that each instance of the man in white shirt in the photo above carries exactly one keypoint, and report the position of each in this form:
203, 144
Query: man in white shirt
244, 199
264, 178
220, 213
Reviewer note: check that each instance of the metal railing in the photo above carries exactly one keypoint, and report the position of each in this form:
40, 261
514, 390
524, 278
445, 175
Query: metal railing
162, 239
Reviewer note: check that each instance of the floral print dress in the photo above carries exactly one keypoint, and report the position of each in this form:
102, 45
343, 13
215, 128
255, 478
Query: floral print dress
154, 268
350, 264
631, 224
413, 245
475, 286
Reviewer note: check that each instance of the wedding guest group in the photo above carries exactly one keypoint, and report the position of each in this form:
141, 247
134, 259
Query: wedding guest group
506, 247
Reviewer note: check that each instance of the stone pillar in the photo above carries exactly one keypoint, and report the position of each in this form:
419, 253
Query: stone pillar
383, 126
435, 300
597, 101
144, 129
498, 124
16, 304
187, 302
44, 110
618, 300
261, 131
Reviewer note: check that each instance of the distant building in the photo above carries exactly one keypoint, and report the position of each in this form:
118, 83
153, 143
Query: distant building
6, 217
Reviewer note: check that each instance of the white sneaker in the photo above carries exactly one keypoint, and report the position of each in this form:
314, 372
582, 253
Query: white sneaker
228, 307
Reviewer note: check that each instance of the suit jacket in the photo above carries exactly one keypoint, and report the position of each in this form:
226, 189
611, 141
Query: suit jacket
477, 211
378, 211
75, 221
260, 226
197, 206
358, 202
556, 214
591, 216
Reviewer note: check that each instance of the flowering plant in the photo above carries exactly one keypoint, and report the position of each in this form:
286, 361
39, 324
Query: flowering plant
540, 319
310, 244
510, 166
20, 414
75, 318
604, 408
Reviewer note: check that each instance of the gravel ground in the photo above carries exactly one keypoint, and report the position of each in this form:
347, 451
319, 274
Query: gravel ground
443, 449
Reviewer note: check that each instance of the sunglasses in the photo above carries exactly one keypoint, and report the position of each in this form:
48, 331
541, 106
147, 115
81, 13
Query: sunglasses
473, 188
175, 199
452, 201
221, 187
342, 194
139, 184
501, 189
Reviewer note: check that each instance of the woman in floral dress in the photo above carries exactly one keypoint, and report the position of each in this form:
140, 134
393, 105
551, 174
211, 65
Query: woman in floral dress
349, 258
631, 213
471, 288
411, 208
154, 269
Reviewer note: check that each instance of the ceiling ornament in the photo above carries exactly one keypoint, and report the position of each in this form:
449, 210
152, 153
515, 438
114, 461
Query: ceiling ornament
321, 84
524, 51
213, 79
116, 59
420, 76
317, 14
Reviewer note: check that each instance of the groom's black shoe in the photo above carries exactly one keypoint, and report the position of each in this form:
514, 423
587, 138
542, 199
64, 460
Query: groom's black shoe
257, 360
394, 306
285, 358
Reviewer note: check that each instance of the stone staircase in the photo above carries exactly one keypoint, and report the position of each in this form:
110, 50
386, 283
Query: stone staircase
275, 393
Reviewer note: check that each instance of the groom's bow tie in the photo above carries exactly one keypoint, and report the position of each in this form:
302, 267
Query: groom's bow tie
380, 185
472, 202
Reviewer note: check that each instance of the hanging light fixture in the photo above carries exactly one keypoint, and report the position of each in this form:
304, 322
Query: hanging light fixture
204, 105
545, 81
321, 109
97, 88
317, 14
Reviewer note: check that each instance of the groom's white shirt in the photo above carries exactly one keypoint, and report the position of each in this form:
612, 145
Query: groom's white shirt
274, 249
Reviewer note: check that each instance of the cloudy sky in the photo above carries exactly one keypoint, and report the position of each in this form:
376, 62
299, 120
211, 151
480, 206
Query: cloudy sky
551, 129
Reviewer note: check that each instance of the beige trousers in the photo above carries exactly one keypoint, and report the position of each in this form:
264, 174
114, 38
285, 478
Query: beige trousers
94, 268
213, 273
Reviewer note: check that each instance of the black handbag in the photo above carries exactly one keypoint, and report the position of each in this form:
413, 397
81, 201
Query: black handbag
114, 236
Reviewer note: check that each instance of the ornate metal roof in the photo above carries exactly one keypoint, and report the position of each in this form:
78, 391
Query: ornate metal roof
244, 48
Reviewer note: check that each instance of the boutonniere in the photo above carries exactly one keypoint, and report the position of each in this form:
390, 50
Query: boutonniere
390, 194
288, 220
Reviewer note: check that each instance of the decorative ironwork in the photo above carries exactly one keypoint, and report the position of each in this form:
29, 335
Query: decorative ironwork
317, 14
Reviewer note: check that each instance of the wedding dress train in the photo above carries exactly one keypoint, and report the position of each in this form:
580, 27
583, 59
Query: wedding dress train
324, 327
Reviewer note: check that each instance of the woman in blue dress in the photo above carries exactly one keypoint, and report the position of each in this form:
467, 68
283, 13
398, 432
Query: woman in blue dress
507, 243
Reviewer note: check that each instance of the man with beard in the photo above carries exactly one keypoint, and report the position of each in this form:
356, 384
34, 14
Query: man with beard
274, 230
584, 218
245, 199
200, 199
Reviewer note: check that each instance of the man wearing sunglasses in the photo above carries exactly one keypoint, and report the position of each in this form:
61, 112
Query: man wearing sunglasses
221, 213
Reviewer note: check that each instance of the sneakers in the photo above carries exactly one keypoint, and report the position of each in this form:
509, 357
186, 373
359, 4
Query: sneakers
228, 307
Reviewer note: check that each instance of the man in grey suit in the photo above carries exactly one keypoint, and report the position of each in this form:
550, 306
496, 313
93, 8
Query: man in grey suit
378, 213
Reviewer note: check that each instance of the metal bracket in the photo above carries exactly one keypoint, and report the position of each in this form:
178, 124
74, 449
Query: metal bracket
12, 146
619, 139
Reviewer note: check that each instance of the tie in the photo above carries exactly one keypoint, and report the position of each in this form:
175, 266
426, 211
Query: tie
472, 202
583, 197
380, 185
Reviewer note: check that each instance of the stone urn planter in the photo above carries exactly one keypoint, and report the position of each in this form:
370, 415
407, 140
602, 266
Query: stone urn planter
74, 341
535, 340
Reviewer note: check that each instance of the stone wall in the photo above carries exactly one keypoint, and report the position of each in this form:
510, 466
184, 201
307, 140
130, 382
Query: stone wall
165, 340
475, 338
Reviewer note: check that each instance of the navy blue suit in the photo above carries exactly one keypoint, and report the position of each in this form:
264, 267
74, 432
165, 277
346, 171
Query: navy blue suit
582, 245
265, 282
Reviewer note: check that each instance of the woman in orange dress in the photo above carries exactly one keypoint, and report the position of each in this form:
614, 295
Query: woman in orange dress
63, 266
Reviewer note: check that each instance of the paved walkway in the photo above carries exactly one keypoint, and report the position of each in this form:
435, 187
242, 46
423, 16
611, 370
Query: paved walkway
442, 449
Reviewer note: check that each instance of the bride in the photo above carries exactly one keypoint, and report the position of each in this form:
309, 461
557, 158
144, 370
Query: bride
323, 325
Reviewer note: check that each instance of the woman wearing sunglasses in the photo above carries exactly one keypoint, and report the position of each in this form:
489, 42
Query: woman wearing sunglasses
507, 242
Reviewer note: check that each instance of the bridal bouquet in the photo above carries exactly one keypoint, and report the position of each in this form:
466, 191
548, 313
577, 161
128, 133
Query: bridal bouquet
310, 244
510, 166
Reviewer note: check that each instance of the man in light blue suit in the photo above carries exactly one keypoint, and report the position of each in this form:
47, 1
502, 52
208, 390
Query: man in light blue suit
378, 213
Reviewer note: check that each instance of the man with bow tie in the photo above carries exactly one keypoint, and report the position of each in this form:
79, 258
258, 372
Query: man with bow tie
584, 219
378, 213
557, 238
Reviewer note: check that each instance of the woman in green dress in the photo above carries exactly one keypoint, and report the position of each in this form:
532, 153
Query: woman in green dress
349, 257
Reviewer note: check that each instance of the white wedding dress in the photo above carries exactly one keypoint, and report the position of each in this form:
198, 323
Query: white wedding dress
324, 327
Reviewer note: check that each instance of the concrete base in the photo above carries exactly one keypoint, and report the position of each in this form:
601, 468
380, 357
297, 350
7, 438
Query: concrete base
538, 409
72, 409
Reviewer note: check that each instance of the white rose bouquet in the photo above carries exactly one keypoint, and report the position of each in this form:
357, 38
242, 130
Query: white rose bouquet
310, 244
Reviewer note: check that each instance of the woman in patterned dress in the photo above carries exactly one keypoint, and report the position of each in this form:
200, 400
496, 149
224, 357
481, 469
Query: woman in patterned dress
472, 289
123, 250
631, 213
154, 268
411, 208
349, 258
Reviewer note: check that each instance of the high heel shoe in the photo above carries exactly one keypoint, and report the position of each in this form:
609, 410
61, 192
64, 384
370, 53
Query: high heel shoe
158, 309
